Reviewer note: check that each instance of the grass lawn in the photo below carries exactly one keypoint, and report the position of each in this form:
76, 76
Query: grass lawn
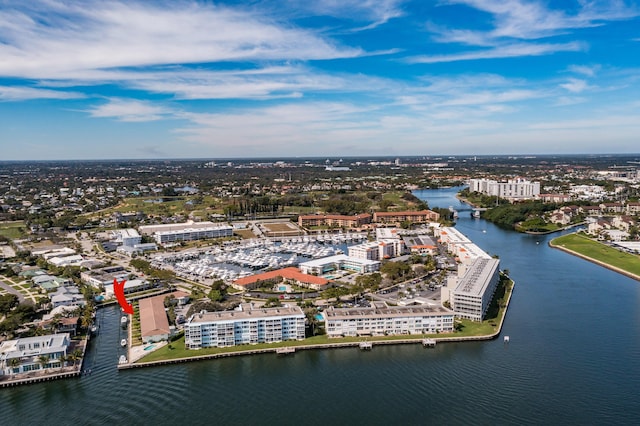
245, 233
13, 230
598, 251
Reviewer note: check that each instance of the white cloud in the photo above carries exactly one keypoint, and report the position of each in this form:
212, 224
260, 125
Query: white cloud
507, 51
130, 110
377, 12
575, 85
530, 20
67, 39
12, 93
517, 25
588, 71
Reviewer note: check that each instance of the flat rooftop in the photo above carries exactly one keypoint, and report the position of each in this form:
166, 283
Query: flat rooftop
246, 312
337, 259
190, 225
477, 277
381, 310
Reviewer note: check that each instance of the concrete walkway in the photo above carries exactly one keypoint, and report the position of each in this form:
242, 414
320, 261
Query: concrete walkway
12, 291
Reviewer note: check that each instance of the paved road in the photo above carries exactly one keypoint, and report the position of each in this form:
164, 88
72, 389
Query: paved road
12, 290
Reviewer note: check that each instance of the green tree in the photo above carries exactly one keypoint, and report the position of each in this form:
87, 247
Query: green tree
14, 363
8, 302
76, 355
215, 296
43, 360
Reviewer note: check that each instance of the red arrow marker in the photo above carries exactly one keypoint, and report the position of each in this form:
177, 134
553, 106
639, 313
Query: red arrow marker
118, 289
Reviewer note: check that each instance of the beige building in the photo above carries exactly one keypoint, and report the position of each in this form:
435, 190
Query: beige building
381, 319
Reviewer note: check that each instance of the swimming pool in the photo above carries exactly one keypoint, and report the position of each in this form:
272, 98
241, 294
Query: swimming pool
282, 288
329, 277
150, 347
319, 317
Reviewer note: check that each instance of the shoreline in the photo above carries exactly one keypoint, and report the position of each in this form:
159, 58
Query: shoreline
337, 345
596, 261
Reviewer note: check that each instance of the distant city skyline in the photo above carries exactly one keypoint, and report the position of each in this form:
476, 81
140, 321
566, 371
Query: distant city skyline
231, 79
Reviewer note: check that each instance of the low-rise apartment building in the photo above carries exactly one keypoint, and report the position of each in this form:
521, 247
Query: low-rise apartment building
381, 319
246, 325
421, 216
337, 263
188, 231
288, 275
355, 221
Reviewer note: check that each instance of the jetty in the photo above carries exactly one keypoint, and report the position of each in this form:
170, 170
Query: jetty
285, 351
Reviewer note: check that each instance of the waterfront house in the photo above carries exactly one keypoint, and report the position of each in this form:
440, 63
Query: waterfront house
29, 353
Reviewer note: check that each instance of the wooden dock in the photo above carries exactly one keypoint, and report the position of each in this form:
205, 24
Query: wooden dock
285, 351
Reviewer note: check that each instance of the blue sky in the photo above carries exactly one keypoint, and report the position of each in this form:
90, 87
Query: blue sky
186, 79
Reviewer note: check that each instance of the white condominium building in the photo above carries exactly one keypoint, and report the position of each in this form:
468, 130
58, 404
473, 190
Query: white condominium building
187, 231
246, 325
458, 244
513, 189
475, 287
382, 319
377, 250
338, 262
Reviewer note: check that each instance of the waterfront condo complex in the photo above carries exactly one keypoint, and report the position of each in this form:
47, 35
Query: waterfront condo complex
246, 325
471, 291
381, 319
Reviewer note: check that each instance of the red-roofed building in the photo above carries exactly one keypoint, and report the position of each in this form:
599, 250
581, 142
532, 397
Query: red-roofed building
397, 217
355, 221
424, 249
290, 274
154, 324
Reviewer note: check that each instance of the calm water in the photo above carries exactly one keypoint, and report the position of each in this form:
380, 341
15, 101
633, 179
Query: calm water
574, 358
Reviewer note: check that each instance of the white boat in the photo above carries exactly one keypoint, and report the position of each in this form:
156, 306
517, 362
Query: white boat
122, 360
123, 320
123, 342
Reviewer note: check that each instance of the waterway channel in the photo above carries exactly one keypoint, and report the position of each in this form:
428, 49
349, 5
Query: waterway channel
573, 358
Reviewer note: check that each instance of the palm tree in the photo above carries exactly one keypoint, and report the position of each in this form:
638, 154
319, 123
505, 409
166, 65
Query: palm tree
62, 359
43, 360
56, 322
14, 363
77, 354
